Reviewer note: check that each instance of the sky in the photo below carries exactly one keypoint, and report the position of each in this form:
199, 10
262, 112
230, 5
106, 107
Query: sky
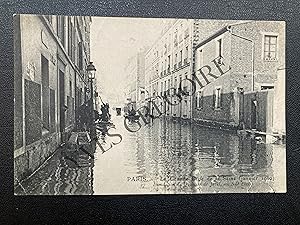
113, 41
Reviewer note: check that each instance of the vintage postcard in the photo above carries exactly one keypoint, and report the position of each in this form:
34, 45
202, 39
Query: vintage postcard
114, 106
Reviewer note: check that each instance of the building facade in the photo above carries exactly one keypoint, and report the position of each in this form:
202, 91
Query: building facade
135, 79
51, 55
168, 62
237, 88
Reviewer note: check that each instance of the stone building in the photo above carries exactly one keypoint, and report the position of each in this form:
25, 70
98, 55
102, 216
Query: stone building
168, 62
236, 70
135, 79
51, 54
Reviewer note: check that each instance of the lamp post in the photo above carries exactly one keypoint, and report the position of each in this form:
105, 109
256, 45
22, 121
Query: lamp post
91, 70
242, 108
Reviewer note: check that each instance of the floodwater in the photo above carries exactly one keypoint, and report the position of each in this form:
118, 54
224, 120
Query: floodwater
164, 157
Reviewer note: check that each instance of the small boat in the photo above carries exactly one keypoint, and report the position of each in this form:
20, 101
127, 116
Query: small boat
104, 126
132, 117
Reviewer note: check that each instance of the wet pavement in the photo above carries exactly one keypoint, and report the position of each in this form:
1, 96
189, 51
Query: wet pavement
164, 157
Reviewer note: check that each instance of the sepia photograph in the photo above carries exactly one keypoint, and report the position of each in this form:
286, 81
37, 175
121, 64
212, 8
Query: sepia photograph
136, 106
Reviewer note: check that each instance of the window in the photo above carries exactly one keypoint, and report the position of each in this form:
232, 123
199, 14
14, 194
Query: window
186, 54
80, 56
73, 41
266, 87
71, 102
199, 100
200, 61
61, 29
49, 18
175, 38
180, 59
186, 33
175, 82
270, 47
180, 38
217, 98
165, 71
186, 51
219, 48
165, 49
45, 94
69, 37
180, 55
185, 90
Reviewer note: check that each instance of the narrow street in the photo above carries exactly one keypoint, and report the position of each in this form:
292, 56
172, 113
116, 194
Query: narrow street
164, 157
83, 74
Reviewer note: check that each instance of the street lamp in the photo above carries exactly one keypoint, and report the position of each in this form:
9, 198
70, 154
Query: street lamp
91, 70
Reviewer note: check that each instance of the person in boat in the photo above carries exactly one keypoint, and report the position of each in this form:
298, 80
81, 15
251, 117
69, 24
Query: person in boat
97, 115
83, 116
132, 112
107, 109
105, 116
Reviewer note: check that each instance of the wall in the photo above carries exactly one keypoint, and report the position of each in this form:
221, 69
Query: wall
34, 143
264, 71
35, 41
226, 113
18, 93
279, 103
237, 53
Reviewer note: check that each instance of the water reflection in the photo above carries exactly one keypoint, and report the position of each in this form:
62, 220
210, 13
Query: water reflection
166, 157
66, 173
185, 158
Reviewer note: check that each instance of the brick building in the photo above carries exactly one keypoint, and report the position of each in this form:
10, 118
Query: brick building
170, 61
250, 54
51, 54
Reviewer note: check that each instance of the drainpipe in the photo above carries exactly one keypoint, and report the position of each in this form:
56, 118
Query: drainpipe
252, 54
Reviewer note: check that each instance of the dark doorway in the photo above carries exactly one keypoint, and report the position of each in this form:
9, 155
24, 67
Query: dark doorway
45, 94
62, 100
253, 113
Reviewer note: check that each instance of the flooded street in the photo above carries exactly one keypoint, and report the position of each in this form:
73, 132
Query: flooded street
164, 157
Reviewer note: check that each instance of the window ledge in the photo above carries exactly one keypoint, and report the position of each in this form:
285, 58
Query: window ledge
270, 60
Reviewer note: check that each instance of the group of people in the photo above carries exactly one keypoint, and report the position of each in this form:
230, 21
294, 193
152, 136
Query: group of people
105, 115
131, 112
